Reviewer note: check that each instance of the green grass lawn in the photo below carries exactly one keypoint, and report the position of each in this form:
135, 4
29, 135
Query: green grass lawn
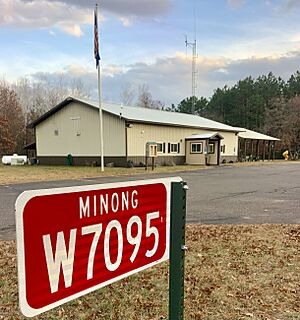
232, 272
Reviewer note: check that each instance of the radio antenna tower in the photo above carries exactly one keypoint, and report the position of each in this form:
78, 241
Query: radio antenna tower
193, 45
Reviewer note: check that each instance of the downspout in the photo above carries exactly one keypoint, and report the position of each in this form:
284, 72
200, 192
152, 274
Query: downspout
239, 153
218, 155
36, 146
206, 151
126, 141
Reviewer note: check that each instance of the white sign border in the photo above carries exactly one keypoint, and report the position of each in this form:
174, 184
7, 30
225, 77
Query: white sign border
20, 204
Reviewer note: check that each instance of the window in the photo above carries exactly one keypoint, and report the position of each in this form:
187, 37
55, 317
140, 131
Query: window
211, 148
223, 148
160, 147
174, 147
196, 147
56, 132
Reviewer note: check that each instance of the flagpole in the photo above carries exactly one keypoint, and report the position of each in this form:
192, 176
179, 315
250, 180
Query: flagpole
99, 95
101, 119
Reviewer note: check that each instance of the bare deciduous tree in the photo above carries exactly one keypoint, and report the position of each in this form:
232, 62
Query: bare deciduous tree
40, 95
145, 99
12, 134
127, 94
7, 144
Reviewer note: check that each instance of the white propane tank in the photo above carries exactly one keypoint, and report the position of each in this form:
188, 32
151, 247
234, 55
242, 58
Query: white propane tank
6, 159
14, 160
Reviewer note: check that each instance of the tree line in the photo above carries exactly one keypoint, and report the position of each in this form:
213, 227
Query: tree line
25, 101
267, 104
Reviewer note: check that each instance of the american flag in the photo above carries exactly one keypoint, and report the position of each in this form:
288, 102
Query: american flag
96, 41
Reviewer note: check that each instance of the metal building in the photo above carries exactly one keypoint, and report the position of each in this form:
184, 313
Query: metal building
72, 128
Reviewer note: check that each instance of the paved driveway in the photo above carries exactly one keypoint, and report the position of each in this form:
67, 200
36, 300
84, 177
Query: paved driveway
220, 195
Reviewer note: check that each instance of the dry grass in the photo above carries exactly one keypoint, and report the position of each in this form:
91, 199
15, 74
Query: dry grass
232, 272
22, 174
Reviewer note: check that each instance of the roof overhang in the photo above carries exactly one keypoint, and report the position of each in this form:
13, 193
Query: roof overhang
205, 136
253, 135
30, 146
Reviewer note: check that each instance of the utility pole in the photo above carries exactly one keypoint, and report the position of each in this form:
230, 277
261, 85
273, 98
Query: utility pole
193, 45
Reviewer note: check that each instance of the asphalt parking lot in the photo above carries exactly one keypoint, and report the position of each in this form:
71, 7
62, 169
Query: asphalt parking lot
221, 195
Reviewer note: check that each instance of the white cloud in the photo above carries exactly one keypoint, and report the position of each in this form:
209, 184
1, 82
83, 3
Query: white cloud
294, 37
44, 14
137, 8
111, 70
76, 70
283, 66
74, 30
125, 21
169, 78
223, 70
68, 16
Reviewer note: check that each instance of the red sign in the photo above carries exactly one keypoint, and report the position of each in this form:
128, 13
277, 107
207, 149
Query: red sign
74, 240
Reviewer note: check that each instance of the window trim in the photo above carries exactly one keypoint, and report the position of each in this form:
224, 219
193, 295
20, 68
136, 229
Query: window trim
196, 143
214, 148
162, 147
173, 144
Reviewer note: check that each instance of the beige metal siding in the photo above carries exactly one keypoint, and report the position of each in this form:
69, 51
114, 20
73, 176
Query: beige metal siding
199, 158
195, 158
231, 144
75, 130
139, 134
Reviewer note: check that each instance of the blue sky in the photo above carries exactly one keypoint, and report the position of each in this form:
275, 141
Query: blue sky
142, 43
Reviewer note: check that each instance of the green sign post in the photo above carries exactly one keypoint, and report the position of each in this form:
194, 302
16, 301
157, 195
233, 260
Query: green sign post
177, 250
